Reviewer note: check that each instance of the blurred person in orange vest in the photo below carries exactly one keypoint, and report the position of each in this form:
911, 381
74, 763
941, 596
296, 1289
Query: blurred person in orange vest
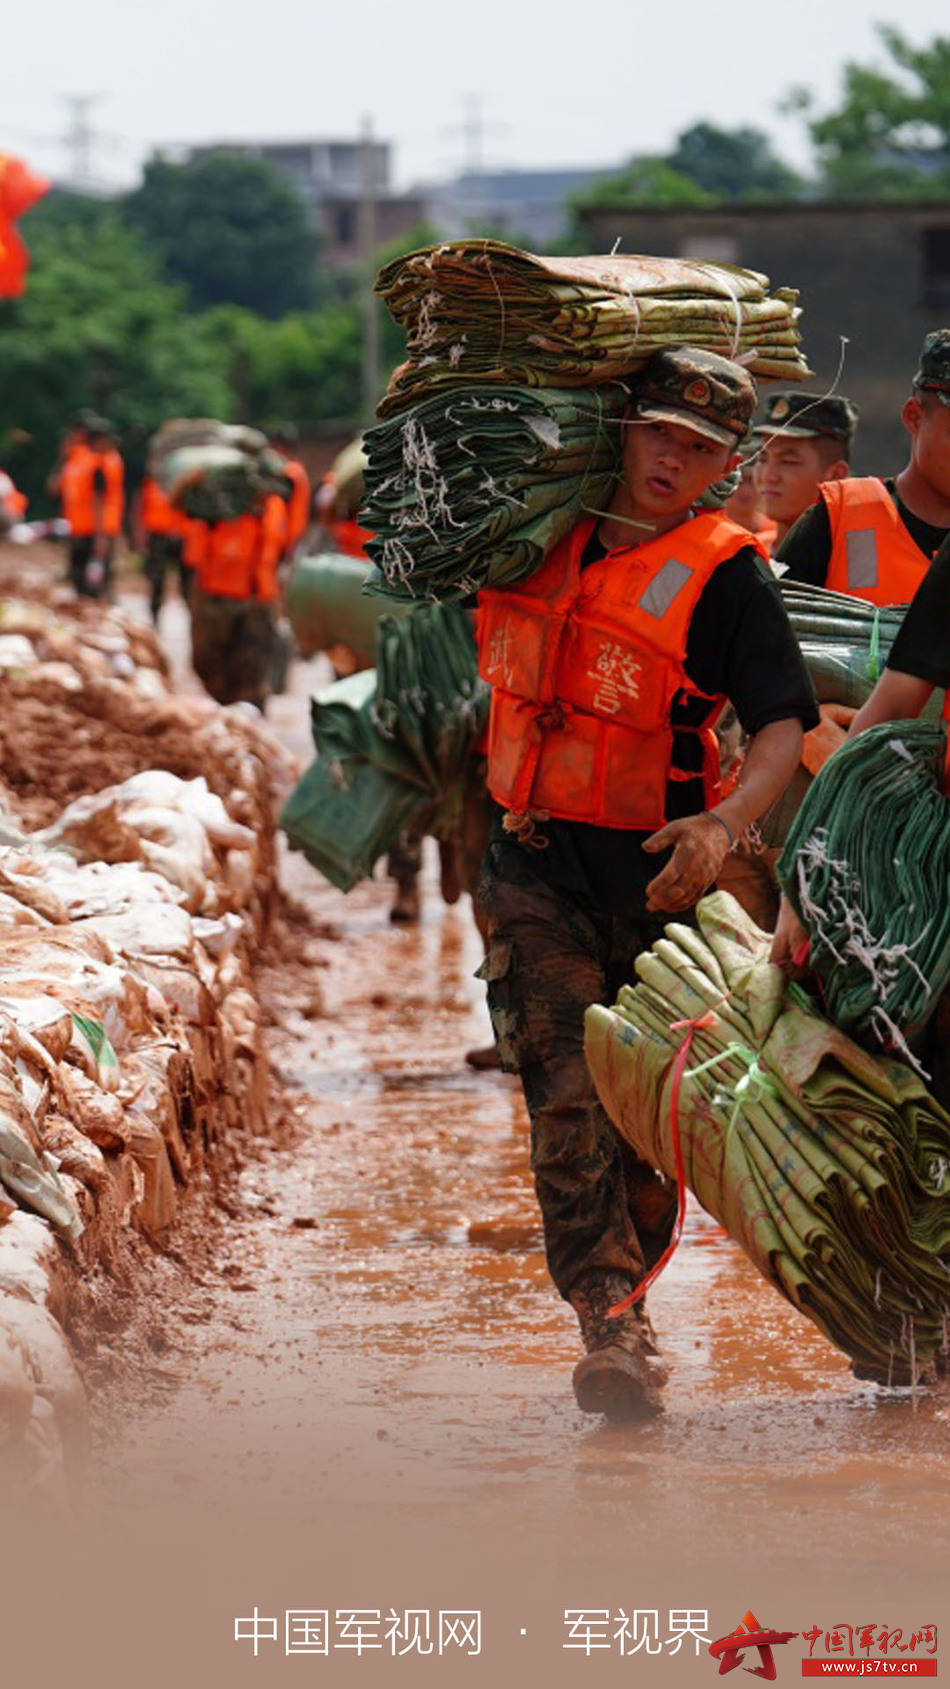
73, 481
194, 543
12, 503
338, 501
234, 604
804, 443
110, 491
161, 539
283, 437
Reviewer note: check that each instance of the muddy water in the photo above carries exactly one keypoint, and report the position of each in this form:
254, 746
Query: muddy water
374, 1403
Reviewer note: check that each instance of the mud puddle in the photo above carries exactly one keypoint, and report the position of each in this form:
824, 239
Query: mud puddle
374, 1402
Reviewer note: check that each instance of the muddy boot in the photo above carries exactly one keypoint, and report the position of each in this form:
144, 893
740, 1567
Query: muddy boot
484, 1060
406, 903
620, 1375
450, 883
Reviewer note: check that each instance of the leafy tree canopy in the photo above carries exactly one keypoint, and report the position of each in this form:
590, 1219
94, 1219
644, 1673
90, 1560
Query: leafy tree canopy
733, 164
97, 326
231, 229
890, 136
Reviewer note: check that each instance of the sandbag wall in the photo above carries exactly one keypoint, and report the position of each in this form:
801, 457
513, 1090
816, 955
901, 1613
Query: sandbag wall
129, 916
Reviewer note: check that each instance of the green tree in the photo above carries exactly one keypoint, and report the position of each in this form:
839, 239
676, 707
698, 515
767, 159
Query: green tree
231, 229
304, 369
890, 136
733, 164
97, 326
651, 180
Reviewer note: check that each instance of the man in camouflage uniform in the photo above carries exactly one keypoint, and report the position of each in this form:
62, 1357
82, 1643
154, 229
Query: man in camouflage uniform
568, 903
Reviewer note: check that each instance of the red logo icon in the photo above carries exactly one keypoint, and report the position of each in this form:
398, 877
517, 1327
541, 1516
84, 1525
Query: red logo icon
750, 1634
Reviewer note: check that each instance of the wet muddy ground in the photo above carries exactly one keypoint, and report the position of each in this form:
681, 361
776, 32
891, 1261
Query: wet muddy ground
365, 1394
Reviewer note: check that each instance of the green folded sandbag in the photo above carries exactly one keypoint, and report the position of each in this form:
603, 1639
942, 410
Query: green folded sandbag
394, 744
343, 825
866, 867
326, 606
829, 1167
473, 488
482, 311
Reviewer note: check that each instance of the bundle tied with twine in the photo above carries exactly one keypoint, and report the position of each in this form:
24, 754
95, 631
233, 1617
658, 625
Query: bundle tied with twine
830, 1168
866, 867
502, 429
213, 471
482, 311
394, 746
472, 488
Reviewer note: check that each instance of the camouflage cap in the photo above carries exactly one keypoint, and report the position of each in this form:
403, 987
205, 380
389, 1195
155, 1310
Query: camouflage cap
698, 389
810, 416
934, 372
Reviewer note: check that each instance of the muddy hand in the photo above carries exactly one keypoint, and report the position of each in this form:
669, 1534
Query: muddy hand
700, 845
790, 943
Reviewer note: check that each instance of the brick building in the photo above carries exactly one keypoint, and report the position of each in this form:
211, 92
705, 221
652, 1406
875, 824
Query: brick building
877, 273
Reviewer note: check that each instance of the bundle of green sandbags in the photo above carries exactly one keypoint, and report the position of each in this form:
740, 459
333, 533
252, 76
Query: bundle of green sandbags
214, 472
482, 311
393, 746
866, 867
829, 1167
473, 487
326, 606
844, 641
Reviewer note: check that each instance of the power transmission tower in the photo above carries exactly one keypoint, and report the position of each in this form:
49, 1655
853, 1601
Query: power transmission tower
79, 137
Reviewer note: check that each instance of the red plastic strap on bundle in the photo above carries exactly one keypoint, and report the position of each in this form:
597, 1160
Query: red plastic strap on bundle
691, 1027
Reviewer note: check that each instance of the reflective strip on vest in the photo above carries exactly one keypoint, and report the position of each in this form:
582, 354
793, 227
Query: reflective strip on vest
664, 588
861, 546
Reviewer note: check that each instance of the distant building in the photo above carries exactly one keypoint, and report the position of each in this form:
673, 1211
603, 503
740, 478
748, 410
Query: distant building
328, 175
530, 205
877, 273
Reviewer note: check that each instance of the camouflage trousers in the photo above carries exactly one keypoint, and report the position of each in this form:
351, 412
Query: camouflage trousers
549, 958
232, 641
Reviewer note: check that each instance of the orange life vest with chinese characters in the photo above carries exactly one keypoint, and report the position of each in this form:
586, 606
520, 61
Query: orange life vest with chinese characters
239, 558
872, 554
77, 489
585, 665
112, 504
156, 513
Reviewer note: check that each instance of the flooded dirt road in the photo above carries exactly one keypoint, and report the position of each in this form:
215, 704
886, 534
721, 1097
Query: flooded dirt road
365, 1399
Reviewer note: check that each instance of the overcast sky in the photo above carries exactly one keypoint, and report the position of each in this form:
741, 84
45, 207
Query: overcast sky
586, 82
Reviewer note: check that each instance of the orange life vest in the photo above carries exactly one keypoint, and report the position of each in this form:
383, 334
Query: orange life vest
239, 558
12, 502
298, 505
585, 666
194, 539
872, 554
156, 513
77, 489
350, 538
110, 464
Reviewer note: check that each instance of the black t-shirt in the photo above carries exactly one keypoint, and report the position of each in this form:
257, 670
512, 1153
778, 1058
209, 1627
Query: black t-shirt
806, 548
740, 645
922, 646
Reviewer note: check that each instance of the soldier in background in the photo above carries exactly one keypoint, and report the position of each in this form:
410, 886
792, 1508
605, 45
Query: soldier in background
804, 441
